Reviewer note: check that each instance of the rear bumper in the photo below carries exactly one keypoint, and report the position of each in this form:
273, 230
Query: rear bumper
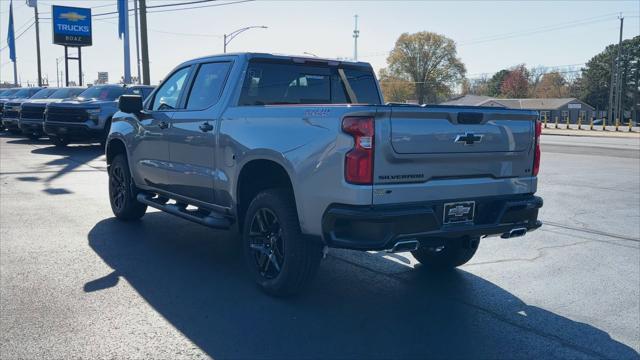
381, 227
72, 131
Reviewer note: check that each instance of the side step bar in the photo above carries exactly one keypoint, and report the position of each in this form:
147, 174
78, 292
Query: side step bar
203, 217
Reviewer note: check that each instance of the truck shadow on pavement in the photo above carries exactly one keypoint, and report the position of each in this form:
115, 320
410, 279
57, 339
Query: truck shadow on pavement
360, 306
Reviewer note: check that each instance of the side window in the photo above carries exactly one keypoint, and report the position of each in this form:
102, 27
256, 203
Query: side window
169, 92
208, 85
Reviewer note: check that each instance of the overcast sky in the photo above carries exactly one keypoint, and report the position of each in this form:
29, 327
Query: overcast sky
490, 35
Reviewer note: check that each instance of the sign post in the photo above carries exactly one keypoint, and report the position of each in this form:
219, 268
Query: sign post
71, 28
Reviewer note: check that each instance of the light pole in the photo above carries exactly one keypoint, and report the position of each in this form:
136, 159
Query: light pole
232, 35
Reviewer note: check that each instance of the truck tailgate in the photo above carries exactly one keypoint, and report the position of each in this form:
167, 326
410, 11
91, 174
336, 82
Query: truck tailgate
419, 145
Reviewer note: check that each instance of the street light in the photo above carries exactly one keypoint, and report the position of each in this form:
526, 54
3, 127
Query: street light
232, 35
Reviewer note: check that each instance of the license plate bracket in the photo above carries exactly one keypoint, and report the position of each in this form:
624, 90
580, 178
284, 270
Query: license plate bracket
459, 212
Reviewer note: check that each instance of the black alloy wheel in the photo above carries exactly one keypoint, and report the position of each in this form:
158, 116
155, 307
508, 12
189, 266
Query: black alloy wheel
267, 243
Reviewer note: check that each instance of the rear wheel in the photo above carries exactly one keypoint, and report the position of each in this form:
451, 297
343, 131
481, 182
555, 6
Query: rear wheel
452, 253
280, 258
59, 141
123, 202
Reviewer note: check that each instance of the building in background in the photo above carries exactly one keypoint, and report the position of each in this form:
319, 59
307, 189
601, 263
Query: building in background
103, 77
562, 108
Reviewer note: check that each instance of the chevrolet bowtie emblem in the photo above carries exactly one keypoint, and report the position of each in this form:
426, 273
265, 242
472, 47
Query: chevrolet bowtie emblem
72, 16
459, 211
468, 138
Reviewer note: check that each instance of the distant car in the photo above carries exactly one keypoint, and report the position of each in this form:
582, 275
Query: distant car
4, 97
32, 111
11, 107
87, 118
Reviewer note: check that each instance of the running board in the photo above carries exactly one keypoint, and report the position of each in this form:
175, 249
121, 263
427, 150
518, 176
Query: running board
202, 217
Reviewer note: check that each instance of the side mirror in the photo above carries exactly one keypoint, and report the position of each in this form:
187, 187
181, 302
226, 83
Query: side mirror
131, 104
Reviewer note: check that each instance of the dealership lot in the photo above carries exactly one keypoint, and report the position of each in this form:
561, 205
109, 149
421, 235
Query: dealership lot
74, 282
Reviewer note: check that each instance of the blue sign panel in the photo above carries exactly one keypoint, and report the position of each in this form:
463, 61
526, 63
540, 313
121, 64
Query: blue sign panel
71, 26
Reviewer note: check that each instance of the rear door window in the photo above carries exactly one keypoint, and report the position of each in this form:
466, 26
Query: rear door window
278, 83
208, 85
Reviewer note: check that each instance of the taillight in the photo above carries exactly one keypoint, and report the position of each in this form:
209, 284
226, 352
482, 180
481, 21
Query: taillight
536, 154
358, 165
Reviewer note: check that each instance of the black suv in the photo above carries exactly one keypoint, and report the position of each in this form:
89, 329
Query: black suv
87, 118
32, 111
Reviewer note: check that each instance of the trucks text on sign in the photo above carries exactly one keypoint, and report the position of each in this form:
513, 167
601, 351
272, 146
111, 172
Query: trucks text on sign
71, 26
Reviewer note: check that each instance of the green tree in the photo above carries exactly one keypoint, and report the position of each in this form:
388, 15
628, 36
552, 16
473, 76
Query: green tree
430, 62
596, 75
495, 83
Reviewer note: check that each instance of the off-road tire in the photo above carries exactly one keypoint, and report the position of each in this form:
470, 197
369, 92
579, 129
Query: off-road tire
453, 253
301, 256
124, 204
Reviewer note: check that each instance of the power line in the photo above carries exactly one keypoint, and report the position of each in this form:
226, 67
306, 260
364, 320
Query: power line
160, 6
179, 9
509, 35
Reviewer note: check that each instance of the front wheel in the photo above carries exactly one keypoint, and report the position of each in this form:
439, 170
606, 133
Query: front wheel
123, 202
452, 253
280, 258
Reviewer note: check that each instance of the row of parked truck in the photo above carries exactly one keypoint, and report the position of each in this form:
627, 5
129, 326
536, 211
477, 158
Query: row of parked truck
63, 114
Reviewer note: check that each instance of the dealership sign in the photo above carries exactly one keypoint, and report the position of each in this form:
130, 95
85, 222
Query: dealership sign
71, 26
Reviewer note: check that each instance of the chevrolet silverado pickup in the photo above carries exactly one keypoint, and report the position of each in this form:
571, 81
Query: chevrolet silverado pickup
300, 155
32, 111
87, 118
11, 107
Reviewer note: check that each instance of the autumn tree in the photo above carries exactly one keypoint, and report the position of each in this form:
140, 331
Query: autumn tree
395, 89
516, 83
430, 62
551, 85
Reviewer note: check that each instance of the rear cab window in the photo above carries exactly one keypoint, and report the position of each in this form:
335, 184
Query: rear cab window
275, 82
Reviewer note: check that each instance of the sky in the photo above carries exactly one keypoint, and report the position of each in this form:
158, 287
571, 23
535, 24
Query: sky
490, 35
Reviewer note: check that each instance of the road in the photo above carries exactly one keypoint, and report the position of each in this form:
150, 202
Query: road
76, 283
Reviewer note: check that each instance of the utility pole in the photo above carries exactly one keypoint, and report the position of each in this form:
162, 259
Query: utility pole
135, 8
614, 70
144, 43
127, 57
356, 35
619, 113
34, 4
57, 72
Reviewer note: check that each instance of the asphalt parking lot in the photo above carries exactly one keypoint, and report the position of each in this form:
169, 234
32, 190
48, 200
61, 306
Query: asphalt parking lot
76, 283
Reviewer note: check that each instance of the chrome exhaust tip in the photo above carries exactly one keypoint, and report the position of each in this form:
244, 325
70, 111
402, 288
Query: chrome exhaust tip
403, 246
517, 232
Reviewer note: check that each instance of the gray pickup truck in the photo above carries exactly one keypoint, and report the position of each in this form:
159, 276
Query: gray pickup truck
300, 155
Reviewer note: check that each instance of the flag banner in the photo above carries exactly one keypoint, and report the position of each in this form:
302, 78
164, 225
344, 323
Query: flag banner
11, 35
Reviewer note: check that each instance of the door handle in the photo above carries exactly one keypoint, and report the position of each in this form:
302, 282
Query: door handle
206, 127
163, 124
